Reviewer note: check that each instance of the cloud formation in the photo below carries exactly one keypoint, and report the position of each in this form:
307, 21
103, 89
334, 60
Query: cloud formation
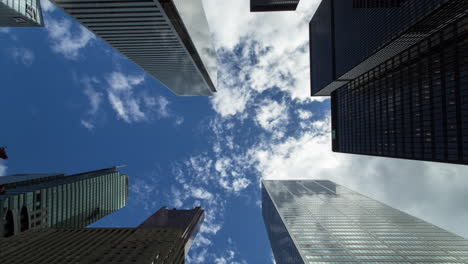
3, 168
260, 52
127, 96
47, 6
65, 40
22, 55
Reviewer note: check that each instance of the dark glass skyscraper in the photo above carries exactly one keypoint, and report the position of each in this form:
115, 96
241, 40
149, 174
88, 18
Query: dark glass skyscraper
164, 238
322, 222
30, 201
169, 39
397, 77
273, 5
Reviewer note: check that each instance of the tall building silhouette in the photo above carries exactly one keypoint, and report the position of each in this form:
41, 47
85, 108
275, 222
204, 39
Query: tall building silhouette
316, 221
20, 13
396, 76
30, 201
165, 238
169, 39
273, 5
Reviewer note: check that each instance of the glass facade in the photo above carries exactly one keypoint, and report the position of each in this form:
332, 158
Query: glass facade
359, 36
413, 106
20, 13
328, 223
169, 39
73, 201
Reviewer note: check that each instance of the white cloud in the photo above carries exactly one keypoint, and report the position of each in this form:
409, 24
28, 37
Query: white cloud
66, 41
47, 6
122, 98
271, 52
272, 115
88, 125
120, 82
304, 114
3, 168
201, 193
22, 55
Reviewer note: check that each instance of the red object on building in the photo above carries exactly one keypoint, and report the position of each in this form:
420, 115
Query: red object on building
2, 189
3, 154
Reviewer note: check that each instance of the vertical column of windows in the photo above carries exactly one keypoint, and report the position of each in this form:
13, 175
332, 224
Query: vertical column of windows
398, 107
374, 116
391, 109
438, 94
426, 106
417, 113
463, 82
379, 108
450, 101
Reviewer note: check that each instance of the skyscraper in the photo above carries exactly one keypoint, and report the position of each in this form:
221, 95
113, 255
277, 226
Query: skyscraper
322, 222
169, 39
30, 201
165, 238
273, 5
397, 77
20, 13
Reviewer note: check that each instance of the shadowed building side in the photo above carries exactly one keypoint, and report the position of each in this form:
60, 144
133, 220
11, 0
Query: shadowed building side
162, 239
273, 5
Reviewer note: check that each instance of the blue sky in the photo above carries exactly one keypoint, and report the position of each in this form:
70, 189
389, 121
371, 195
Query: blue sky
70, 103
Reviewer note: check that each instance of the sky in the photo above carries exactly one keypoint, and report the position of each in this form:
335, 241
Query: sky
70, 103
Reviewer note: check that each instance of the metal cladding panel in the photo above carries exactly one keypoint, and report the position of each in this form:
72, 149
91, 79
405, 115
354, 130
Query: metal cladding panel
273, 5
20, 13
162, 37
321, 47
332, 224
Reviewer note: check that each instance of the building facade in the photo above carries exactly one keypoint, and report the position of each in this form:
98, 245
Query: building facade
273, 5
347, 40
401, 92
20, 13
30, 201
315, 221
169, 39
164, 238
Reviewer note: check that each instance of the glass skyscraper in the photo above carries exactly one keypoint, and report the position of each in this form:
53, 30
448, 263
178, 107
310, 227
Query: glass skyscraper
20, 13
29, 201
318, 221
168, 39
397, 74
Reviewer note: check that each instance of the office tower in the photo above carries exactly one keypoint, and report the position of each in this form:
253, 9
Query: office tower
317, 221
397, 78
163, 238
273, 5
169, 39
30, 201
20, 13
